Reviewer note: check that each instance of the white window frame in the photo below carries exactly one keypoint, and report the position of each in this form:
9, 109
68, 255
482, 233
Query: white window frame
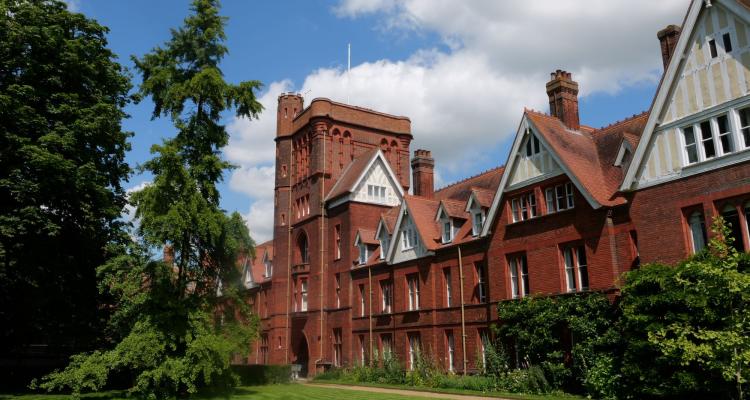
386, 291
303, 295
481, 288
337, 279
414, 348
451, 351
363, 253
447, 230
448, 286
412, 283
518, 271
697, 228
576, 268
524, 207
554, 195
477, 221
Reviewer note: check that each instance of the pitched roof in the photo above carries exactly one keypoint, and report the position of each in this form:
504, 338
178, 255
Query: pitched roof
483, 196
258, 268
454, 208
461, 190
589, 154
390, 217
351, 174
367, 236
422, 211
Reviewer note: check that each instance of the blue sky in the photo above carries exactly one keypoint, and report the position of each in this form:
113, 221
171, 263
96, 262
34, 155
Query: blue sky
462, 71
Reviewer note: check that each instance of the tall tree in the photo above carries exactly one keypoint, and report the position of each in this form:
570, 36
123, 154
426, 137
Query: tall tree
62, 163
179, 320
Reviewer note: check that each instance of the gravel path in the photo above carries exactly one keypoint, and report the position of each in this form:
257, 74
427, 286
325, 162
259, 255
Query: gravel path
412, 393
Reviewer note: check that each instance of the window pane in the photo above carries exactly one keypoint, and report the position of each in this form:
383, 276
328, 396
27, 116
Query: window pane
727, 42
712, 48
690, 147
513, 277
708, 141
697, 231
560, 192
536, 145
725, 134
569, 271
745, 125
524, 276
583, 272
550, 196
569, 194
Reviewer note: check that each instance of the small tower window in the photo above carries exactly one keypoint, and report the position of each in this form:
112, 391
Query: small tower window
727, 42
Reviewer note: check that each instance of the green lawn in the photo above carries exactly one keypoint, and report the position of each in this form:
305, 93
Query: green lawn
269, 392
289, 391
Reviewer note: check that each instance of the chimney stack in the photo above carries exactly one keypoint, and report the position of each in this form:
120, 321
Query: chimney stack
422, 166
563, 98
668, 38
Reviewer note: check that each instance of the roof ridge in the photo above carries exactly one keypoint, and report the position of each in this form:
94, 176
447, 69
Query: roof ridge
620, 122
487, 171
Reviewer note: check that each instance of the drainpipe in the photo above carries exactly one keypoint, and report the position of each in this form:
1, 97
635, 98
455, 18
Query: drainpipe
288, 258
463, 313
369, 283
322, 242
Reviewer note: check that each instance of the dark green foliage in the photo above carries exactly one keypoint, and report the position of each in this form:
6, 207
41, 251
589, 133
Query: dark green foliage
62, 163
571, 338
178, 321
254, 375
686, 328
427, 375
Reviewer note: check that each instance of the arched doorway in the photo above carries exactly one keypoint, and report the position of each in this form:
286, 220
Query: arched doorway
301, 355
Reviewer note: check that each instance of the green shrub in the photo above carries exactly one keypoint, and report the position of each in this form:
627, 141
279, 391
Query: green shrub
251, 375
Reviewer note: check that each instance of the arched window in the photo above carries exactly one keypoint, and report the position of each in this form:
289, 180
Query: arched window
303, 249
732, 219
697, 231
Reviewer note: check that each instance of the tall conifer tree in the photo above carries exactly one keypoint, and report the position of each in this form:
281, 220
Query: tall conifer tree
179, 320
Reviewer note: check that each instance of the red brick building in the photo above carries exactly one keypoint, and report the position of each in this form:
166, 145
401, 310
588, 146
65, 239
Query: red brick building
359, 267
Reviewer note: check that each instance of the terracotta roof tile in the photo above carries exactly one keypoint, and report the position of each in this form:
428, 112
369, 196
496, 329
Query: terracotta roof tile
422, 212
367, 236
390, 217
351, 173
455, 209
484, 196
590, 154
461, 190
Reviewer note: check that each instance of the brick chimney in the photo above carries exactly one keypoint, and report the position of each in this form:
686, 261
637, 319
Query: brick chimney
563, 98
422, 167
668, 38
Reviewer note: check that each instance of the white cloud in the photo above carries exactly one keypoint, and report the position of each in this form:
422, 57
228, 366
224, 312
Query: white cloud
260, 220
129, 210
466, 97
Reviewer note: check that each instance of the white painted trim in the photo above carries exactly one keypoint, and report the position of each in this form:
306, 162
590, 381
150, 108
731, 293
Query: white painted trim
392, 245
392, 176
630, 182
663, 92
520, 134
736, 157
534, 180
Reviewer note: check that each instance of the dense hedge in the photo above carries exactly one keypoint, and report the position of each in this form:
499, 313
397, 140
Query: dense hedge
251, 375
674, 332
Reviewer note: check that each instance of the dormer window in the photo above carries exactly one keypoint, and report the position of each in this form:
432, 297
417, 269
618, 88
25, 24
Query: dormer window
269, 268
446, 227
362, 253
477, 219
408, 238
447, 231
384, 242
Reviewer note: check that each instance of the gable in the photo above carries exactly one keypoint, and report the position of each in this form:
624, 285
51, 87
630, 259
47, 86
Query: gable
703, 81
376, 180
401, 254
532, 160
710, 81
